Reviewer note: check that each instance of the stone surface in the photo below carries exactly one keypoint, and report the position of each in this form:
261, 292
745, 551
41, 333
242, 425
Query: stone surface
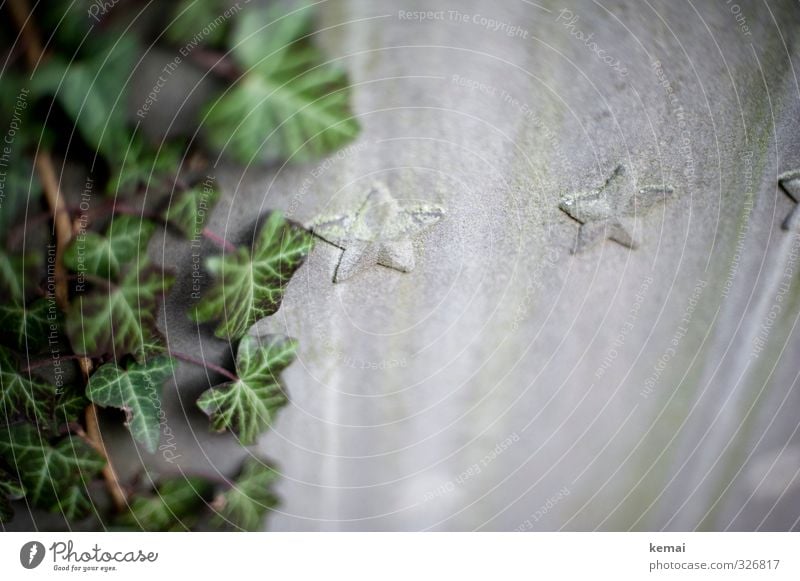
506, 383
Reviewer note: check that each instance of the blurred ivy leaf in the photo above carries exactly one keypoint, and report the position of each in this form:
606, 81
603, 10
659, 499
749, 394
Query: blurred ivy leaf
104, 255
22, 393
290, 102
249, 498
17, 275
188, 211
21, 189
27, 328
192, 17
121, 319
247, 406
143, 165
91, 92
74, 503
10, 489
173, 507
137, 391
250, 282
70, 406
51, 473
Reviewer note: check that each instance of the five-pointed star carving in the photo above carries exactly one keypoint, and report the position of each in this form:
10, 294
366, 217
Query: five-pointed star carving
378, 232
790, 182
603, 212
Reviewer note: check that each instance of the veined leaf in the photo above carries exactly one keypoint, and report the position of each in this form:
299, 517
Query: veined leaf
192, 17
120, 320
49, 472
249, 499
174, 506
89, 91
189, 210
250, 283
69, 406
290, 102
10, 490
17, 273
137, 391
125, 239
247, 406
20, 393
143, 165
73, 503
27, 328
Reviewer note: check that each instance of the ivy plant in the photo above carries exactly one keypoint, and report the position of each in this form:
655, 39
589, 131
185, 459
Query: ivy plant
80, 339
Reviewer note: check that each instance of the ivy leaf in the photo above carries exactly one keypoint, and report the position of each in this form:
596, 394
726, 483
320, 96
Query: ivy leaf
144, 165
70, 406
17, 275
49, 472
10, 490
28, 328
191, 17
249, 499
125, 239
188, 210
89, 90
250, 283
137, 391
121, 319
20, 393
247, 406
290, 102
21, 188
73, 503
173, 507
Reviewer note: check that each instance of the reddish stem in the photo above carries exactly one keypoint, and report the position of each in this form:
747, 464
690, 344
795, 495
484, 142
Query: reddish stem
45, 362
210, 366
218, 240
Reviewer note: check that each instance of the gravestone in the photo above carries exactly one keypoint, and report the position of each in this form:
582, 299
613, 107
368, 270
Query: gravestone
597, 331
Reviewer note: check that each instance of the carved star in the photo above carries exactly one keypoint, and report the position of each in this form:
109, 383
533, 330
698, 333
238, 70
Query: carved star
604, 212
790, 182
380, 231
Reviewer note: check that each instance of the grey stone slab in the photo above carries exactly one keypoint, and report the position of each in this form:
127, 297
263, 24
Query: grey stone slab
505, 382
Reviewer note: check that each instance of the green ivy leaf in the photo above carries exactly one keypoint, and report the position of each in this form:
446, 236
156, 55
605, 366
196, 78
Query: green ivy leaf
137, 391
247, 406
250, 283
189, 210
21, 189
10, 489
249, 499
89, 90
22, 393
49, 472
173, 507
73, 503
144, 166
70, 406
27, 328
125, 239
290, 102
17, 275
119, 320
190, 19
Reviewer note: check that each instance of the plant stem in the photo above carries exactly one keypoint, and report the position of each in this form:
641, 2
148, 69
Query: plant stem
30, 36
45, 362
63, 230
95, 438
218, 240
210, 366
